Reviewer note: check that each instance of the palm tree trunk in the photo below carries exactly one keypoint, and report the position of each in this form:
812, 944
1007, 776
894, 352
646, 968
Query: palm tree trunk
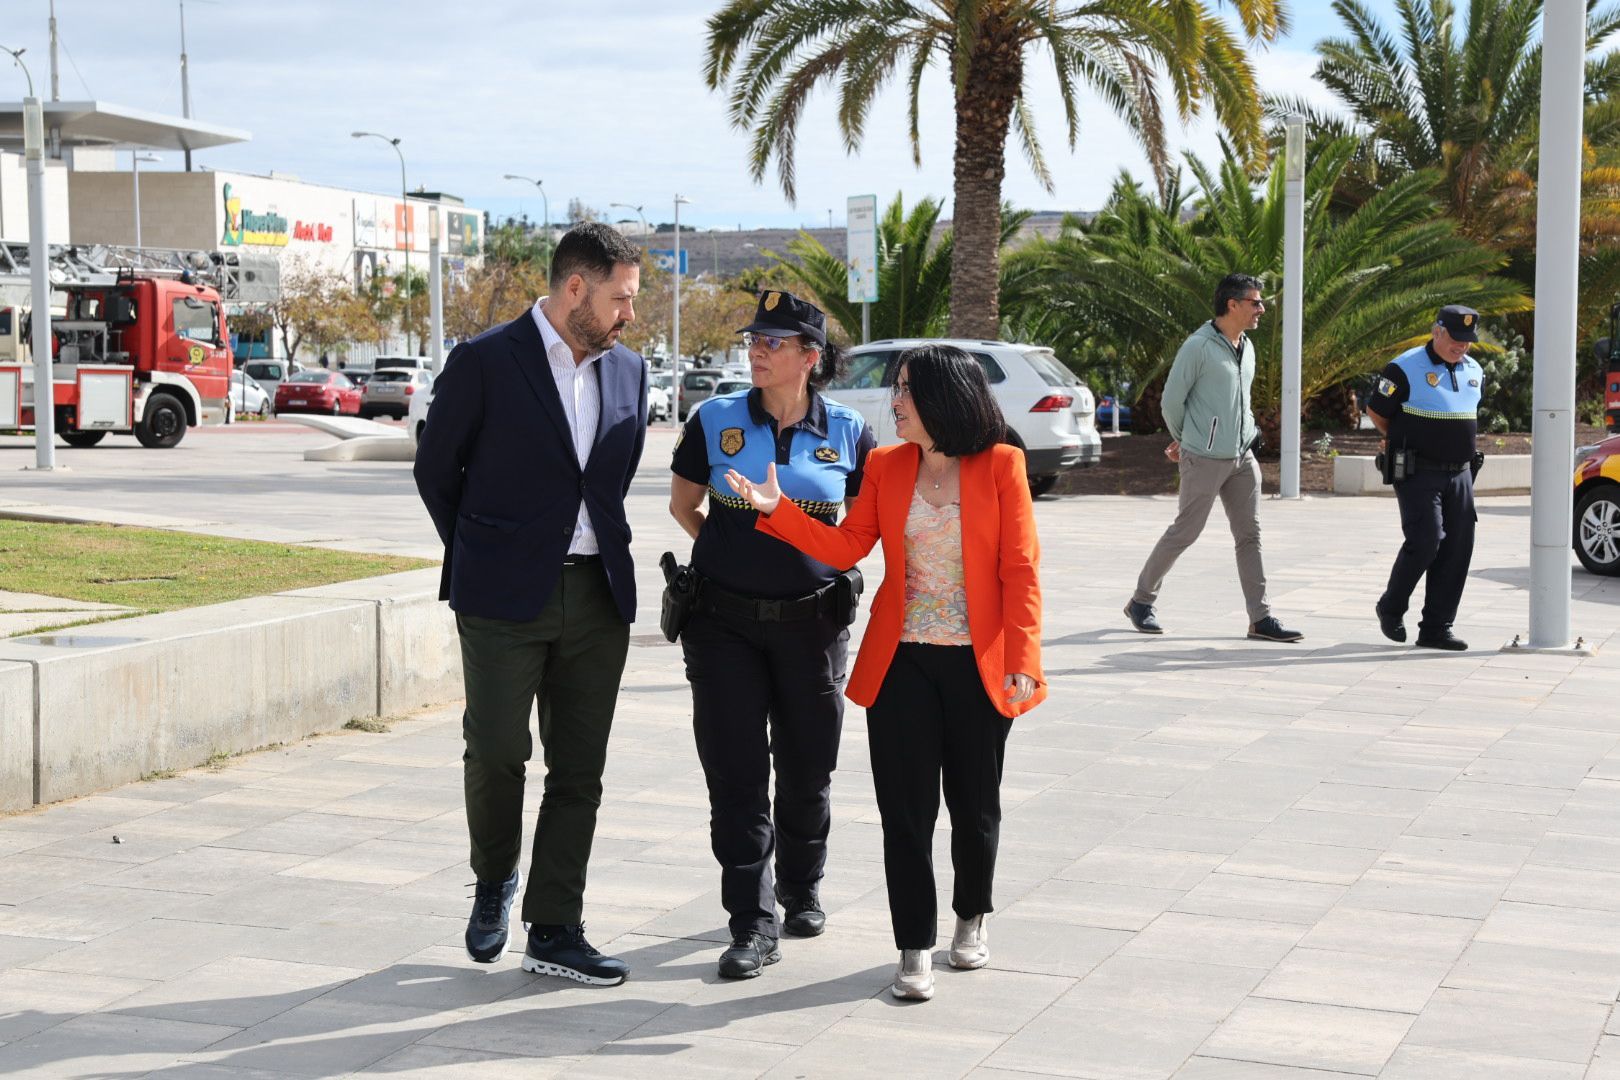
984, 105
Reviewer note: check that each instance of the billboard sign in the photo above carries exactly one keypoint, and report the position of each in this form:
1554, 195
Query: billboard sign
861, 246
664, 259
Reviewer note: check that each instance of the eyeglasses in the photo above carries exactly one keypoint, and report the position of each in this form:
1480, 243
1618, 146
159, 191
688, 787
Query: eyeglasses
1253, 302
901, 390
771, 343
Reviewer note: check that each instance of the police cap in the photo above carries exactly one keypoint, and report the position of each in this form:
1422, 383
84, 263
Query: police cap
1462, 323
781, 314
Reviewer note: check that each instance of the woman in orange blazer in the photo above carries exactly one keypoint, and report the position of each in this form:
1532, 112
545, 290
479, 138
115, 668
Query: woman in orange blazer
952, 652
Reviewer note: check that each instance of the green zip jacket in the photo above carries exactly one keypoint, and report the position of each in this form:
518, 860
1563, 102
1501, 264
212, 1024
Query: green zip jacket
1206, 396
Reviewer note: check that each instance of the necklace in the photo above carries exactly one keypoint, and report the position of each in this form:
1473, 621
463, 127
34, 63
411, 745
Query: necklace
945, 472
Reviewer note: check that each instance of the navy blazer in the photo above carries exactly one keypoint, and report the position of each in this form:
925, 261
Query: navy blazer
496, 468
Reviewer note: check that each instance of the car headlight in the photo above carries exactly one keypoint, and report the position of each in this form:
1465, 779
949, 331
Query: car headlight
1584, 452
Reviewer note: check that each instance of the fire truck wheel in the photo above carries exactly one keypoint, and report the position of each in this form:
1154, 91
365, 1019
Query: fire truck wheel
164, 424
83, 439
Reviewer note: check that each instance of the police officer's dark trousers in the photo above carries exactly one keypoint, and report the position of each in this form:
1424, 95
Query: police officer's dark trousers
1437, 518
570, 659
764, 690
933, 719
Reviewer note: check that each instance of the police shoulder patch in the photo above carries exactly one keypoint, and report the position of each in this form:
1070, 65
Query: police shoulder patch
827, 454
732, 441
1432, 378
1386, 388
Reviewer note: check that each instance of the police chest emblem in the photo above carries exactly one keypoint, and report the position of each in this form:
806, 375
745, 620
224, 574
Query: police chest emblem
827, 454
1432, 378
771, 300
731, 441
1386, 388
1473, 382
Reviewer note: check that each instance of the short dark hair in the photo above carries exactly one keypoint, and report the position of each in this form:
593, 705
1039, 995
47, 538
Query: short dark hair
1232, 287
952, 398
833, 362
591, 249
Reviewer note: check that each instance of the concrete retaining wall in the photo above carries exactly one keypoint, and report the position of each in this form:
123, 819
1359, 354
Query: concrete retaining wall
116, 701
1503, 473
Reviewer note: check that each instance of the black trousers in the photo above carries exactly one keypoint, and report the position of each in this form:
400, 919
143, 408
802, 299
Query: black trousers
932, 717
1437, 518
764, 691
570, 659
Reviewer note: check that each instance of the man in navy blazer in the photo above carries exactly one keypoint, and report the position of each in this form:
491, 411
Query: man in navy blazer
530, 446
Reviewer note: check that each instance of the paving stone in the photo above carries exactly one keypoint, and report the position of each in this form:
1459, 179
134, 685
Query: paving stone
1209, 939
1429, 1063
1390, 983
322, 1038
858, 1047
238, 992
1520, 1025
1291, 860
1243, 897
101, 1045
1087, 903
33, 1000
1101, 1043
1149, 985
1308, 1036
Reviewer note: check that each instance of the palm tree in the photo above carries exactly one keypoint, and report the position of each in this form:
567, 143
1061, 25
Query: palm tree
1142, 275
774, 53
914, 272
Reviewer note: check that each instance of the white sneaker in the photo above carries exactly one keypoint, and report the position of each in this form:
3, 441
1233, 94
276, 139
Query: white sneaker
914, 976
970, 946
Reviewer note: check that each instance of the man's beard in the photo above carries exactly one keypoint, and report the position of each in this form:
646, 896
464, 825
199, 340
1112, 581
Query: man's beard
588, 332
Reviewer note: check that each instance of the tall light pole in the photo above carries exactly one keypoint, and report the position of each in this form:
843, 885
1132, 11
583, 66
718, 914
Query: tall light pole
545, 209
185, 71
675, 345
435, 295
38, 279
405, 222
1293, 299
135, 159
1558, 223
639, 214
56, 82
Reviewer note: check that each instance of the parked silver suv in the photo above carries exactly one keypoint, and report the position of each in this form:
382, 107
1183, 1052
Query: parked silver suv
1045, 403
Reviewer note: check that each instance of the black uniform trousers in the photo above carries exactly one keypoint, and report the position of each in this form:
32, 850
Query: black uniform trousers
1437, 518
764, 691
570, 660
932, 717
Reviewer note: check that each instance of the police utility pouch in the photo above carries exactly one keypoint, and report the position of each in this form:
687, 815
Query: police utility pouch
847, 589
681, 587
1476, 463
1395, 465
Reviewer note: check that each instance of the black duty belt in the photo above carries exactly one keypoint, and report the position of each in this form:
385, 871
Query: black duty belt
581, 560
1427, 465
714, 598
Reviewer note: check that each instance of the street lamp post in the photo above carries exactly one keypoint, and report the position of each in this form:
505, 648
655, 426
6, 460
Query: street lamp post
405, 222
639, 214
675, 345
1293, 299
545, 209
435, 295
38, 278
135, 159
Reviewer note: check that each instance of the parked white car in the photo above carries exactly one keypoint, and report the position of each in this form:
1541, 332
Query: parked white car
416, 414
390, 391
270, 374
721, 389
247, 396
1045, 403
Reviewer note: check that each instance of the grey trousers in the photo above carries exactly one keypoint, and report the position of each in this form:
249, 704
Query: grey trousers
1237, 482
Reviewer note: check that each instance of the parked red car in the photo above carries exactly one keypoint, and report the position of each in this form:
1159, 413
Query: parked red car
318, 391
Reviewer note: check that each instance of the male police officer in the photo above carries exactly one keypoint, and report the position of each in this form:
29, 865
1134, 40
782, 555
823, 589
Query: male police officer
1427, 406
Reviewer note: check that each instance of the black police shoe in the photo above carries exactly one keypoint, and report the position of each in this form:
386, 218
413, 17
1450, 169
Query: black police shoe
1142, 617
1390, 625
750, 953
801, 914
488, 927
1269, 629
563, 951
1443, 639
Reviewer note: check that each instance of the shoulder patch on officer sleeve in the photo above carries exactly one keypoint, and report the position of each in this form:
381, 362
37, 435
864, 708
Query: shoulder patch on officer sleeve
731, 441
1386, 388
827, 454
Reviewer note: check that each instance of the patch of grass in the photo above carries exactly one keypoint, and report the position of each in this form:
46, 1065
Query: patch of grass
149, 570
376, 725
161, 774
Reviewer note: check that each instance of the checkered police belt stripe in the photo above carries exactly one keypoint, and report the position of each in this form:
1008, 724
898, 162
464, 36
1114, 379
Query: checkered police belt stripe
808, 506
1430, 414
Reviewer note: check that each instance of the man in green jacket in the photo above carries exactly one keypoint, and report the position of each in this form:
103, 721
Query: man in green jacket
1206, 408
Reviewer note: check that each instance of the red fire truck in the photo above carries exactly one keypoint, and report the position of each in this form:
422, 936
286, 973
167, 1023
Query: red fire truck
132, 351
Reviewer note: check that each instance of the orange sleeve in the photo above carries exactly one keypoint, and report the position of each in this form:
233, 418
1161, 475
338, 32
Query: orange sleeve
840, 546
1019, 566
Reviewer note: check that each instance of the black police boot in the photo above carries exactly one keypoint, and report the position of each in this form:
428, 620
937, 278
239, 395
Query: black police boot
1142, 617
488, 927
750, 953
563, 951
1440, 639
801, 914
1391, 625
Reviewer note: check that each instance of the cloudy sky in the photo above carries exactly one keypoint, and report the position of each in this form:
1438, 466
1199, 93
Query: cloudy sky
603, 102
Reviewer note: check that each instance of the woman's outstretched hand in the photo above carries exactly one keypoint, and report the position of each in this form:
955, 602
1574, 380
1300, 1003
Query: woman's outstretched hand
763, 496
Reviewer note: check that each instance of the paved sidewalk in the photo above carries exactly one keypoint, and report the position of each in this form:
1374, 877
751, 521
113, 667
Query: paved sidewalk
1221, 859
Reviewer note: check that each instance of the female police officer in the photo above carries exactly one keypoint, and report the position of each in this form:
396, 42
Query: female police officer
769, 639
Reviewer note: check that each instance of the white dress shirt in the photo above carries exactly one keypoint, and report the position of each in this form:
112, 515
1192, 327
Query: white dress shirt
580, 389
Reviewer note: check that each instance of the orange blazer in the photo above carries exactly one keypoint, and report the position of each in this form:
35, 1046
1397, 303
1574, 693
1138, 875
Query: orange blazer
1000, 561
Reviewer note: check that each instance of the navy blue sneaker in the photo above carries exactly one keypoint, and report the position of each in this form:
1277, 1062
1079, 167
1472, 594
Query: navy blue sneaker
488, 928
1143, 618
563, 951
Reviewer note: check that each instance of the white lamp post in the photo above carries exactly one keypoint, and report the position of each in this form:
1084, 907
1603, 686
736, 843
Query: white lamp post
675, 346
405, 224
435, 294
545, 209
135, 159
1293, 299
1558, 221
38, 276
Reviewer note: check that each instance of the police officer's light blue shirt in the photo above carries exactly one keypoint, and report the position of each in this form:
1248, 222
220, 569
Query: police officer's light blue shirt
819, 463
1432, 406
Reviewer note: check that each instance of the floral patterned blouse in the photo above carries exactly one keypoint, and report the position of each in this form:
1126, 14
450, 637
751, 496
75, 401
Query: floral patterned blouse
936, 594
